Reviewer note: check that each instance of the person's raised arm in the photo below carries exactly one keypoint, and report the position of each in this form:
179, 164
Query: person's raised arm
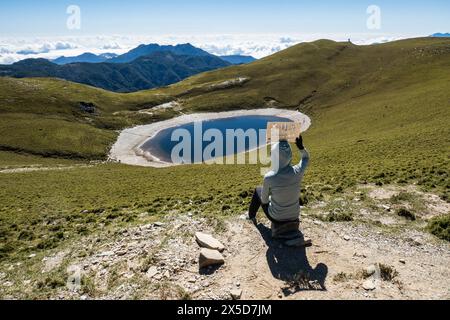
304, 159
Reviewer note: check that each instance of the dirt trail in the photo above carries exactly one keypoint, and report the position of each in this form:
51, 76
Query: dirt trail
268, 270
39, 168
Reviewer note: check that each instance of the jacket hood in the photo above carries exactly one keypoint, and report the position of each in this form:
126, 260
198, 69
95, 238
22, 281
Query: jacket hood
281, 156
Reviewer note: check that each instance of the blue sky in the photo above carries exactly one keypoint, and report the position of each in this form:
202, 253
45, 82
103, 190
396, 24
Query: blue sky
48, 17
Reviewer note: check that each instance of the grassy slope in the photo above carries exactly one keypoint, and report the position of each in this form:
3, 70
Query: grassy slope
380, 114
45, 117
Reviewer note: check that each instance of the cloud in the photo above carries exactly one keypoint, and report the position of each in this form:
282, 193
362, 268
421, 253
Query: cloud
257, 45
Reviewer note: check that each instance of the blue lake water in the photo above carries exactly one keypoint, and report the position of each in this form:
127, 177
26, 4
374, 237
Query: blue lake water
162, 145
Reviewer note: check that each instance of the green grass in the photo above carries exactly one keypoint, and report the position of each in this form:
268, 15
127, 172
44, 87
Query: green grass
440, 227
11, 160
43, 117
380, 115
54, 137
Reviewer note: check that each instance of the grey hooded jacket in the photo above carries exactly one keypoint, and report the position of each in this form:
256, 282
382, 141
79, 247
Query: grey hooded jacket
281, 189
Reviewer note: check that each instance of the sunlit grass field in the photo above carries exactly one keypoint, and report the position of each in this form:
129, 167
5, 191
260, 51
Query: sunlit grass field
380, 114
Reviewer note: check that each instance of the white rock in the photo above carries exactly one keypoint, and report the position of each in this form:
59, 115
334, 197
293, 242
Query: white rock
370, 270
369, 285
152, 271
207, 241
158, 276
106, 254
210, 257
236, 294
347, 238
192, 280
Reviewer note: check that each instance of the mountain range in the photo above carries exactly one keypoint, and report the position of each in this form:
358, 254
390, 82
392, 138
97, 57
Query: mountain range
150, 71
238, 59
144, 67
144, 50
440, 35
85, 57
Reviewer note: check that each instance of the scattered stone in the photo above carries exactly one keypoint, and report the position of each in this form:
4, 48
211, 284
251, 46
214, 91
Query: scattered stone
158, 224
167, 274
210, 257
158, 276
347, 238
236, 294
359, 255
121, 253
207, 241
415, 242
402, 261
153, 271
106, 254
32, 255
370, 270
192, 280
369, 285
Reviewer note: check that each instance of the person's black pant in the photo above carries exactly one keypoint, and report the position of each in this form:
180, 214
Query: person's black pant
257, 203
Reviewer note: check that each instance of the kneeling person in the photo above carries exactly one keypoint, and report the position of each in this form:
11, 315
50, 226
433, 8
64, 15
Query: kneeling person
279, 195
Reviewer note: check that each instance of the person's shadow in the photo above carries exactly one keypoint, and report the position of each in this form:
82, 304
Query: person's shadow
291, 265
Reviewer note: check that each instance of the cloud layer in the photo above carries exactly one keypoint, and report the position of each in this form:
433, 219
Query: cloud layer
256, 45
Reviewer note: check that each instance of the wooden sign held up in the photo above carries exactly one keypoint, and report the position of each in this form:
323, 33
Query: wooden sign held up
287, 131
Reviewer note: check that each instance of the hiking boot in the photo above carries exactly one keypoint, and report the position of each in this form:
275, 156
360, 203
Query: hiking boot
299, 242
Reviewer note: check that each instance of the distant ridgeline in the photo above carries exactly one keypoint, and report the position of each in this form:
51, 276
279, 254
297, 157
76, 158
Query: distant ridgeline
145, 67
440, 35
